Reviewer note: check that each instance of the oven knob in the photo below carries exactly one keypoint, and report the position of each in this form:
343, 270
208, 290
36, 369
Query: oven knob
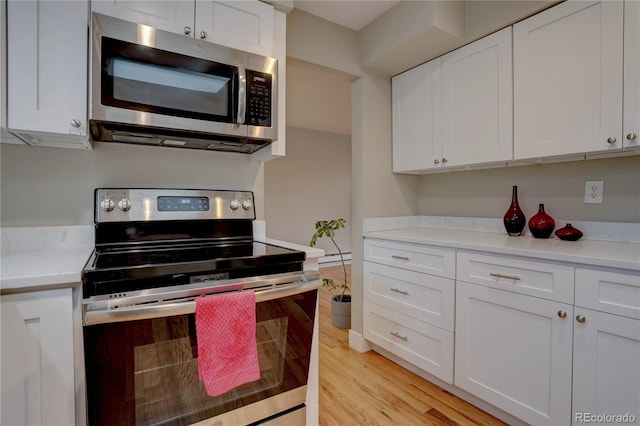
234, 204
124, 205
107, 204
246, 204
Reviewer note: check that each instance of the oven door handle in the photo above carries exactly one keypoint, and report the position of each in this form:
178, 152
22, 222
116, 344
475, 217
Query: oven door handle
187, 307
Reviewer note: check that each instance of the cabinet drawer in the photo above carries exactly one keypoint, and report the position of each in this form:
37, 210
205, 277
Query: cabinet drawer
543, 279
416, 257
609, 291
424, 297
427, 347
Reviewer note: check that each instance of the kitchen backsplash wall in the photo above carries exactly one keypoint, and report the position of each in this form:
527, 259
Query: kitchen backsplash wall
53, 187
559, 186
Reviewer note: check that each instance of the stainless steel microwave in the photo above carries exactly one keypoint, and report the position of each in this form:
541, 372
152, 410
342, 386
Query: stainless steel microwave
155, 87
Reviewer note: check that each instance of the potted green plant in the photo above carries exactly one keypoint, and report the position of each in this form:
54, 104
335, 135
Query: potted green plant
340, 293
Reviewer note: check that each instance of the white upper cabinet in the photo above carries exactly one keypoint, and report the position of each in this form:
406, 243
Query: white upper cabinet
455, 110
175, 16
477, 102
631, 118
246, 25
568, 80
47, 72
417, 127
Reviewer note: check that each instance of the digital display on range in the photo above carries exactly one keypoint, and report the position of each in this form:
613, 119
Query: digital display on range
181, 204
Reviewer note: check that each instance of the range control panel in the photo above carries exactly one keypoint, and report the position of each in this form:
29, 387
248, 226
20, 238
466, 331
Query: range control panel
134, 205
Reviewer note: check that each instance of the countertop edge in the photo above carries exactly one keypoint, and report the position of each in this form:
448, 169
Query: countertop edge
557, 250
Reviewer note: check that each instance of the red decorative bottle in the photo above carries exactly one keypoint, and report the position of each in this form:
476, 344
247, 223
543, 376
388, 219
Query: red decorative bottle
514, 219
541, 224
569, 233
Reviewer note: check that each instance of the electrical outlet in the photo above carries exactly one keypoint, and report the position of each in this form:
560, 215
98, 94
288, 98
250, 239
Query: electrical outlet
593, 191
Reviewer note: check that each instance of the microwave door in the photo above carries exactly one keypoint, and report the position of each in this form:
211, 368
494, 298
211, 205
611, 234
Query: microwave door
164, 81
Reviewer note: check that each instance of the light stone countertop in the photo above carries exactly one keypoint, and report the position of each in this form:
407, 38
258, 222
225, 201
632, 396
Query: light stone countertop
34, 269
34, 258
586, 252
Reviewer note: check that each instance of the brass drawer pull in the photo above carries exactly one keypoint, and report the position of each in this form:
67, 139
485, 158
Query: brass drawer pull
397, 290
400, 257
511, 277
395, 334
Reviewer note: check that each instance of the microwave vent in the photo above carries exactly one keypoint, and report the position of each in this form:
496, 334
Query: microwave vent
157, 136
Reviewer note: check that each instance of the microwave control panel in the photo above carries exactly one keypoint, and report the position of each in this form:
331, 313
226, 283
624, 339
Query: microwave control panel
258, 99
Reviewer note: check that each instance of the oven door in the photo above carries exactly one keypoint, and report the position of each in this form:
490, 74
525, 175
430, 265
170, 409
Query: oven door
144, 371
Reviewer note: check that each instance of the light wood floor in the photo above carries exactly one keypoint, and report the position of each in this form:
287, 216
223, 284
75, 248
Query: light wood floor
368, 389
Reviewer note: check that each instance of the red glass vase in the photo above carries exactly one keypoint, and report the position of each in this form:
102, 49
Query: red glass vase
541, 224
569, 233
514, 219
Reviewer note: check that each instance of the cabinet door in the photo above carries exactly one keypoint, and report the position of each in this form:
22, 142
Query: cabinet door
606, 366
169, 15
47, 66
245, 25
514, 351
477, 102
631, 119
568, 80
37, 359
417, 121
5, 136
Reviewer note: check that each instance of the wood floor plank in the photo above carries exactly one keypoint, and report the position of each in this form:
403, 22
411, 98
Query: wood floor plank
369, 389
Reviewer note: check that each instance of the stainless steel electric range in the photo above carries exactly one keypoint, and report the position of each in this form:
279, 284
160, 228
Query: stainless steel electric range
156, 251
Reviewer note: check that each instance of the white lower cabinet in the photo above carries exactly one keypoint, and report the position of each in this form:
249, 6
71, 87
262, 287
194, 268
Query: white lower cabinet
606, 367
406, 311
547, 342
514, 351
606, 346
36, 358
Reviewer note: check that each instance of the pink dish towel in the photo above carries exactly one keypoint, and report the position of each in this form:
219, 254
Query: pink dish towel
226, 334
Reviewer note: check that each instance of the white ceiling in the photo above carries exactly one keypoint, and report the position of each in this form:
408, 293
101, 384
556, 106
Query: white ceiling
353, 14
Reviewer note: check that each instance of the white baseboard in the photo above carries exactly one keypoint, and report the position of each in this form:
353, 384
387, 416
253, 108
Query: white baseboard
334, 259
357, 342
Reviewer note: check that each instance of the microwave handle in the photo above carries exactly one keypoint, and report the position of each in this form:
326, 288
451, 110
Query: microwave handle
242, 97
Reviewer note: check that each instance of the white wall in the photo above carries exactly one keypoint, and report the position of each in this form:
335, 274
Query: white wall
559, 186
318, 98
313, 182
54, 186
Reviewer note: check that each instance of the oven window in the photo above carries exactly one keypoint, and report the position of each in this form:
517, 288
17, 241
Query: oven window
151, 80
146, 372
